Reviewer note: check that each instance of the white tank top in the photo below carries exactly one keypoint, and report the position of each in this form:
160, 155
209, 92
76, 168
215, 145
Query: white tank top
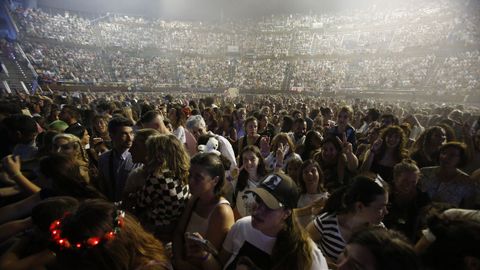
200, 224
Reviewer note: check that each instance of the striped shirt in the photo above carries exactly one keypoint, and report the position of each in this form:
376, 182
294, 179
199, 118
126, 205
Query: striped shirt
332, 243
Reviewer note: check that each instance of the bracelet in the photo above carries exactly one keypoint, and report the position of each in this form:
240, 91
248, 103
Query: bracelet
17, 174
204, 258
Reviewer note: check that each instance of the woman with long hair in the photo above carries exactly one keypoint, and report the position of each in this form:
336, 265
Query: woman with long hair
337, 161
161, 200
343, 126
178, 118
312, 144
282, 150
425, 150
252, 171
227, 129
210, 119
386, 152
82, 133
362, 203
70, 144
100, 131
270, 238
312, 192
99, 236
251, 135
208, 214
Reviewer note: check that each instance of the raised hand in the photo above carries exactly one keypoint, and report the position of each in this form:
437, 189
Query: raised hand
376, 145
265, 144
12, 165
347, 147
280, 155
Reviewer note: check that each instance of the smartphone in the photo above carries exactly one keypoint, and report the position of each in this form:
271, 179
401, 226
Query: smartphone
203, 243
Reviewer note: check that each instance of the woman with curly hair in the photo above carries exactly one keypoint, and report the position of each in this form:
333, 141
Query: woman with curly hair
161, 200
99, 236
386, 152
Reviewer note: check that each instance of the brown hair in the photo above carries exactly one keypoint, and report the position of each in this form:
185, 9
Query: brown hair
173, 156
131, 247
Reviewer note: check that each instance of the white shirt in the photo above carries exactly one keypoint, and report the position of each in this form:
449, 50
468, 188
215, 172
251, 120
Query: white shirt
243, 239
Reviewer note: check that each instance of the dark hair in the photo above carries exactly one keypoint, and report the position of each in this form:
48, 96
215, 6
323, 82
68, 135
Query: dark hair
449, 132
242, 181
462, 149
298, 121
22, 123
248, 120
179, 115
45, 142
301, 184
117, 122
229, 119
400, 150
325, 110
374, 113
76, 130
287, 123
455, 240
390, 116
215, 166
74, 112
50, 209
390, 249
130, 248
308, 146
362, 189
148, 117
333, 140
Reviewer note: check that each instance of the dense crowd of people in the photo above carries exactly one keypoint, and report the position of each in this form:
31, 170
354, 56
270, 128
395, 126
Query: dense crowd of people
190, 180
428, 46
143, 181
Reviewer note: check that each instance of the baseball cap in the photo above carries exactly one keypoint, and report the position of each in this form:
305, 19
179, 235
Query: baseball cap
278, 190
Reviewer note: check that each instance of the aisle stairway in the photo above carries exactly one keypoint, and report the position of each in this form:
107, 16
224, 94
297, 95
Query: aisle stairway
16, 72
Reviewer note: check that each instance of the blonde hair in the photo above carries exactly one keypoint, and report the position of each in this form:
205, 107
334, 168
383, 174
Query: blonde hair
348, 110
167, 152
79, 152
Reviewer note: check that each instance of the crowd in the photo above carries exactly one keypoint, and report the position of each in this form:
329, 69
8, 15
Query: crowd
115, 181
369, 30
460, 71
428, 46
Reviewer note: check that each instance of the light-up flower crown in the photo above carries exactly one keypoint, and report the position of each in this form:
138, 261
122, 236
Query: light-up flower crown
65, 243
